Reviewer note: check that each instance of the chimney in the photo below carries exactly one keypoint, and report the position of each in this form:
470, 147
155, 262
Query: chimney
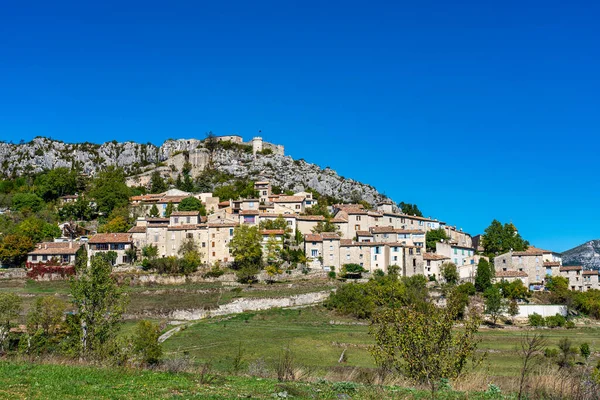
71, 243
45, 246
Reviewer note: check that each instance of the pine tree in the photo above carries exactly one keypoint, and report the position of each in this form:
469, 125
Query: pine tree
483, 277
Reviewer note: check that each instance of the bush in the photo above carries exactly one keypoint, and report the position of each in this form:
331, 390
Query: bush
467, 288
550, 352
536, 320
145, 342
570, 325
331, 274
555, 321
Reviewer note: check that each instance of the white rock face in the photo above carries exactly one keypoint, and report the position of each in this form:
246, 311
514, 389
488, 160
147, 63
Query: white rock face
139, 160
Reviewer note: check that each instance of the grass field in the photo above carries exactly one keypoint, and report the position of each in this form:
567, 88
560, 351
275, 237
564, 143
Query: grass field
19, 380
157, 301
317, 343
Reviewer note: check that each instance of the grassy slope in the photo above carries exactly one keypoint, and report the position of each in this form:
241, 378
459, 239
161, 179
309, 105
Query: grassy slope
19, 380
318, 344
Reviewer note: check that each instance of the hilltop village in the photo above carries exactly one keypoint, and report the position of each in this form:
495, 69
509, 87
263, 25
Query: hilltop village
373, 237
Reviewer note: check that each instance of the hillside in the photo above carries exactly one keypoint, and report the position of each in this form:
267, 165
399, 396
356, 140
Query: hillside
587, 255
140, 160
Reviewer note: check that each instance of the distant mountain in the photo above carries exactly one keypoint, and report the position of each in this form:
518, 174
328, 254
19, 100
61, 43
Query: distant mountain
587, 255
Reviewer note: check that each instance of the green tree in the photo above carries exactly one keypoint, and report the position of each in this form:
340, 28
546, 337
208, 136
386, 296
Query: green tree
483, 276
80, 211
153, 213
246, 248
10, 308
169, 210
145, 342
410, 209
192, 204
513, 309
450, 273
115, 225
423, 344
56, 183
326, 226
558, 286
494, 303
434, 236
500, 239
14, 249
100, 304
584, 350
188, 183
150, 251
273, 257
157, 183
109, 190
46, 314
191, 258
38, 230
29, 202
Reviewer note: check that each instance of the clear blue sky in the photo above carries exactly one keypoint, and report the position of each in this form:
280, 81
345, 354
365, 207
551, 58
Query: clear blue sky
473, 110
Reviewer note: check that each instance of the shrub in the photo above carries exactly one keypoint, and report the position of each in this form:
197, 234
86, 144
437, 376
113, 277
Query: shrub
467, 288
555, 321
331, 274
145, 342
536, 320
550, 352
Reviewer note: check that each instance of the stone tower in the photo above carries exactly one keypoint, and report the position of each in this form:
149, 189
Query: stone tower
257, 144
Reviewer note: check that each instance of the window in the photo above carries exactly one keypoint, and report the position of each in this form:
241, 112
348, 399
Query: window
213, 235
429, 263
360, 256
395, 258
395, 249
251, 204
455, 251
102, 246
375, 257
213, 253
187, 220
212, 244
357, 227
231, 232
377, 250
264, 192
331, 256
44, 258
418, 250
414, 262
410, 251
358, 217
314, 253
330, 247
463, 252
348, 256
65, 259
156, 237
189, 235
203, 244
33, 258
172, 235
456, 261
385, 235
390, 220
289, 223
176, 219
421, 223
297, 206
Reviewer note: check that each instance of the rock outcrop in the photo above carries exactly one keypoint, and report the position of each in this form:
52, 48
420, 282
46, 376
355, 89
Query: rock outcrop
586, 255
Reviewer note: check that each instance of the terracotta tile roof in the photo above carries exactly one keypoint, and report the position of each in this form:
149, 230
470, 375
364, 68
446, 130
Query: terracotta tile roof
151, 226
184, 213
289, 199
346, 242
268, 232
310, 218
382, 229
551, 264
262, 183
434, 257
411, 231
223, 225
311, 237
182, 227
591, 272
172, 199
338, 220
275, 215
137, 229
55, 248
571, 268
531, 251
203, 218
249, 212
375, 214
224, 204
111, 238
363, 233
511, 274
330, 235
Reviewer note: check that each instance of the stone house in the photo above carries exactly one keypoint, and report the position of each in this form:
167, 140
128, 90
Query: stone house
53, 253
433, 265
530, 261
591, 280
511, 276
575, 276
117, 242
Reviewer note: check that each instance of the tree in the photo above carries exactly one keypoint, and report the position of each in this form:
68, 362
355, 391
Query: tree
500, 239
530, 349
513, 309
191, 204
10, 308
80, 211
38, 230
559, 289
423, 344
145, 342
153, 213
326, 226
169, 210
351, 271
273, 257
450, 273
567, 352
14, 249
131, 253
46, 314
191, 257
584, 350
211, 143
157, 183
109, 190
433, 236
100, 304
150, 251
30, 202
410, 209
188, 183
483, 276
494, 303
56, 183
115, 225
246, 248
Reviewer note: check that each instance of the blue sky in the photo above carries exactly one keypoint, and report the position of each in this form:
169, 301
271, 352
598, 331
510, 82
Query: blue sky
474, 111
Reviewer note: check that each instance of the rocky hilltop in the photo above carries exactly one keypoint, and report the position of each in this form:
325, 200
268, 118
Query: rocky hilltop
140, 160
587, 255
